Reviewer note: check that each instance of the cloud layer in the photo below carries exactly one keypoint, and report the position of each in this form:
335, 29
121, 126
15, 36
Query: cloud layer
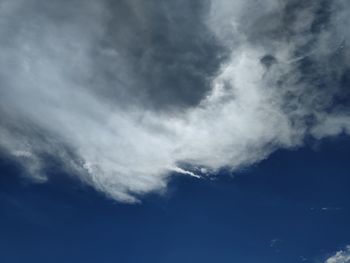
123, 94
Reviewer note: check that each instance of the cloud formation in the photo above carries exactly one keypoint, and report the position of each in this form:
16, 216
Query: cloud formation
342, 256
123, 94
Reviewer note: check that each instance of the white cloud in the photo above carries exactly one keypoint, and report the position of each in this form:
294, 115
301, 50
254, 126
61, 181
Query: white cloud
51, 103
342, 256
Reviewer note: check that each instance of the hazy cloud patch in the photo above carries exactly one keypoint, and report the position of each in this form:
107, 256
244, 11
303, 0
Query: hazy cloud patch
342, 256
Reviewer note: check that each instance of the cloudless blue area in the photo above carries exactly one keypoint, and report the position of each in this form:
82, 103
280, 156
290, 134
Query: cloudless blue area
292, 207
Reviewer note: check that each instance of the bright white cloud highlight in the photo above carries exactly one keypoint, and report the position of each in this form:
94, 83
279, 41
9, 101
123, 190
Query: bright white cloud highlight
51, 104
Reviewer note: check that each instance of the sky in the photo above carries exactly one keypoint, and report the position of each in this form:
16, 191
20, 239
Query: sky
292, 207
174, 131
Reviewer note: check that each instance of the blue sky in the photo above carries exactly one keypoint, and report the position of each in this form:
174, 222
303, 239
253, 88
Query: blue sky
292, 207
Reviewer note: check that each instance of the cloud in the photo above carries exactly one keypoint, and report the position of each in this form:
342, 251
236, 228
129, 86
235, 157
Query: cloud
342, 256
125, 94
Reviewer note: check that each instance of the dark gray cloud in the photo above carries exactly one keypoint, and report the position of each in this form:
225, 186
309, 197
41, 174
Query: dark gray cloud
122, 93
167, 46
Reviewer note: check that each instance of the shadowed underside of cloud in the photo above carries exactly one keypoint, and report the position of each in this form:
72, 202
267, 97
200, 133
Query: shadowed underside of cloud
124, 93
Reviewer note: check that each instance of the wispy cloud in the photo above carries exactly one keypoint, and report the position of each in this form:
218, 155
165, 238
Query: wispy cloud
342, 256
124, 94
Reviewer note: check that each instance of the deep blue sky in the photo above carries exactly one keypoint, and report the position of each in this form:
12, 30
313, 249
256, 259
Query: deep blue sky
269, 213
